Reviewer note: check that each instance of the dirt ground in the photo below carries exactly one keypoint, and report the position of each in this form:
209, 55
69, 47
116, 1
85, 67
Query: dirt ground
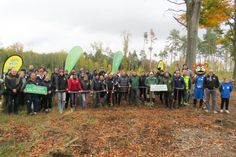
120, 131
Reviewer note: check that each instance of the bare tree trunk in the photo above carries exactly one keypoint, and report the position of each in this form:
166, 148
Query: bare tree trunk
234, 42
193, 15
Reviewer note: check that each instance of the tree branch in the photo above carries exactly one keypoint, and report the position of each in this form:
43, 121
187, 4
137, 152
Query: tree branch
181, 3
170, 9
183, 24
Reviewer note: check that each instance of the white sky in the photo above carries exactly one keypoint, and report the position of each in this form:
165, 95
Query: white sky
53, 25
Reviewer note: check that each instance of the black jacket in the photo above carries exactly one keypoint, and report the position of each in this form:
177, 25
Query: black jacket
110, 84
212, 82
61, 82
97, 85
48, 84
142, 81
53, 79
12, 82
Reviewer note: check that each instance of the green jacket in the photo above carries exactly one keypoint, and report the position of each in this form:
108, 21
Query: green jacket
169, 82
151, 80
160, 79
134, 81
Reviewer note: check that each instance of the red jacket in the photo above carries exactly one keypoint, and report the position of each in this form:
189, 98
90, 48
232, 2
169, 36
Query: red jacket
74, 85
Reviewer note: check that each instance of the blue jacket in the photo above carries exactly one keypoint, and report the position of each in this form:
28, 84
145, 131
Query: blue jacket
226, 89
179, 82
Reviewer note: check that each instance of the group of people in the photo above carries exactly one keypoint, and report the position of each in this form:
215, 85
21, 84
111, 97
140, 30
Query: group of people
76, 89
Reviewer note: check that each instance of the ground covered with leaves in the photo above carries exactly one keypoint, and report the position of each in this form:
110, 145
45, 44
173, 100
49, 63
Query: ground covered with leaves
120, 131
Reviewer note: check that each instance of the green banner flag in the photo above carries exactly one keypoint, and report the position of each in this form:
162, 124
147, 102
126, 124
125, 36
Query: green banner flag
72, 58
116, 61
34, 89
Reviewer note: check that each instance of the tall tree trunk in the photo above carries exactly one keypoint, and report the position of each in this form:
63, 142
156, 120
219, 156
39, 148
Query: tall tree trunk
193, 15
234, 41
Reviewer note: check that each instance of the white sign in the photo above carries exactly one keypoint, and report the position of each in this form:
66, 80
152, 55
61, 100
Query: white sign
158, 87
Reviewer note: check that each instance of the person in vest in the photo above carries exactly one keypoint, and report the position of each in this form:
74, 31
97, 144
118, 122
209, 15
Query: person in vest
96, 90
151, 80
74, 87
211, 83
47, 99
134, 83
13, 84
123, 85
187, 89
225, 91
168, 95
61, 87
142, 87
110, 89
179, 86
32, 100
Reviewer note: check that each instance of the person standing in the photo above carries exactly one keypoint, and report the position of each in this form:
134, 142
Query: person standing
211, 83
13, 84
179, 86
110, 90
85, 84
61, 87
47, 99
32, 100
168, 95
123, 85
142, 87
225, 90
74, 87
188, 85
151, 80
134, 83
96, 90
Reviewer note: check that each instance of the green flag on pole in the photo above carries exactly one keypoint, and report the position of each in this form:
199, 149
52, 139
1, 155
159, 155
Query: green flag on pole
72, 58
116, 61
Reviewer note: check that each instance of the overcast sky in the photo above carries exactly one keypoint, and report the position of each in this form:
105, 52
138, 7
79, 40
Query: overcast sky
53, 25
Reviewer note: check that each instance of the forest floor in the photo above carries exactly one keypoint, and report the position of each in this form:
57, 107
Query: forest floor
120, 131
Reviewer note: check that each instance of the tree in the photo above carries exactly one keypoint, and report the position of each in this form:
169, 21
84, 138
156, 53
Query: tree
210, 13
17, 47
234, 40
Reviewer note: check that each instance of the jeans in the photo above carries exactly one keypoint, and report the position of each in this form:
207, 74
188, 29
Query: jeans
96, 99
210, 93
32, 101
61, 96
73, 97
84, 99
